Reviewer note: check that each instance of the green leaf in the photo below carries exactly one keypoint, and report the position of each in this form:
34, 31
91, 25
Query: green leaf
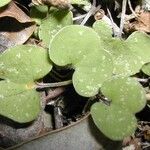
73, 42
126, 62
37, 13
81, 47
21, 64
125, 92
80, 2
128, 56
91, 72
103, 29
56, 20
115, 122
146, 69
18, 102
139, 43
4, 2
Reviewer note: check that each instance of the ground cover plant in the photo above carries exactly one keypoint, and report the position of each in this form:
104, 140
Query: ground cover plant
107, 65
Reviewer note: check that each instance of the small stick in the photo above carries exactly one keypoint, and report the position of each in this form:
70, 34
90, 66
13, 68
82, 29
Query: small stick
88, 15
114, 26
124, 4
148, 97
142, 80
79, 17
58, 117
54, 93
91, 12
130, 6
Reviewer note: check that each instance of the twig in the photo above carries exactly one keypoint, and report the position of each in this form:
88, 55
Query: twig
114, 26
94, 3
88, 15
148, 97
91, 12
79, 17
54, 93
53, 85
58, 117
124, 4
142, 80
130, 6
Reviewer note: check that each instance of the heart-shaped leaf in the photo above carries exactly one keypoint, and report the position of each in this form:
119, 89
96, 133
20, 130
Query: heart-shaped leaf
139, 43
115, 122
20, 66
18, 102
4, 2
91, 72
125, 92
81, 47
56, 20
39, 12
129, 55
146, 69
126, 62
103, 29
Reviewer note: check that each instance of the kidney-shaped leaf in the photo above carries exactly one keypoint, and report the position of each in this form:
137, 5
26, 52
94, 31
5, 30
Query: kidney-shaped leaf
103, 29
18, 102
126, 62
139, 43
91, 72
56, 20
38, 12
115, 122
81, 47
129, 55
4, 2
24, 63
146, 69
125, 92
20, 66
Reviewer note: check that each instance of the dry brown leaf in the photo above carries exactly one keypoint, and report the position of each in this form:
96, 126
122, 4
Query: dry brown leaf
12, 10
4, 43
57, 3
15, 25
143, 22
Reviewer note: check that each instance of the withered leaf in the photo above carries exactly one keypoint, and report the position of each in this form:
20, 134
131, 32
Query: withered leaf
143, 22
15, 25
63, 4
4, 43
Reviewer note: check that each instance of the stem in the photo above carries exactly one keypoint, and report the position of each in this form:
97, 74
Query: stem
86, 107
124, 4
53, 85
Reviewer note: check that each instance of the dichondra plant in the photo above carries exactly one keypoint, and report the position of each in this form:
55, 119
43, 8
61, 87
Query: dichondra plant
102, 64
20, 68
